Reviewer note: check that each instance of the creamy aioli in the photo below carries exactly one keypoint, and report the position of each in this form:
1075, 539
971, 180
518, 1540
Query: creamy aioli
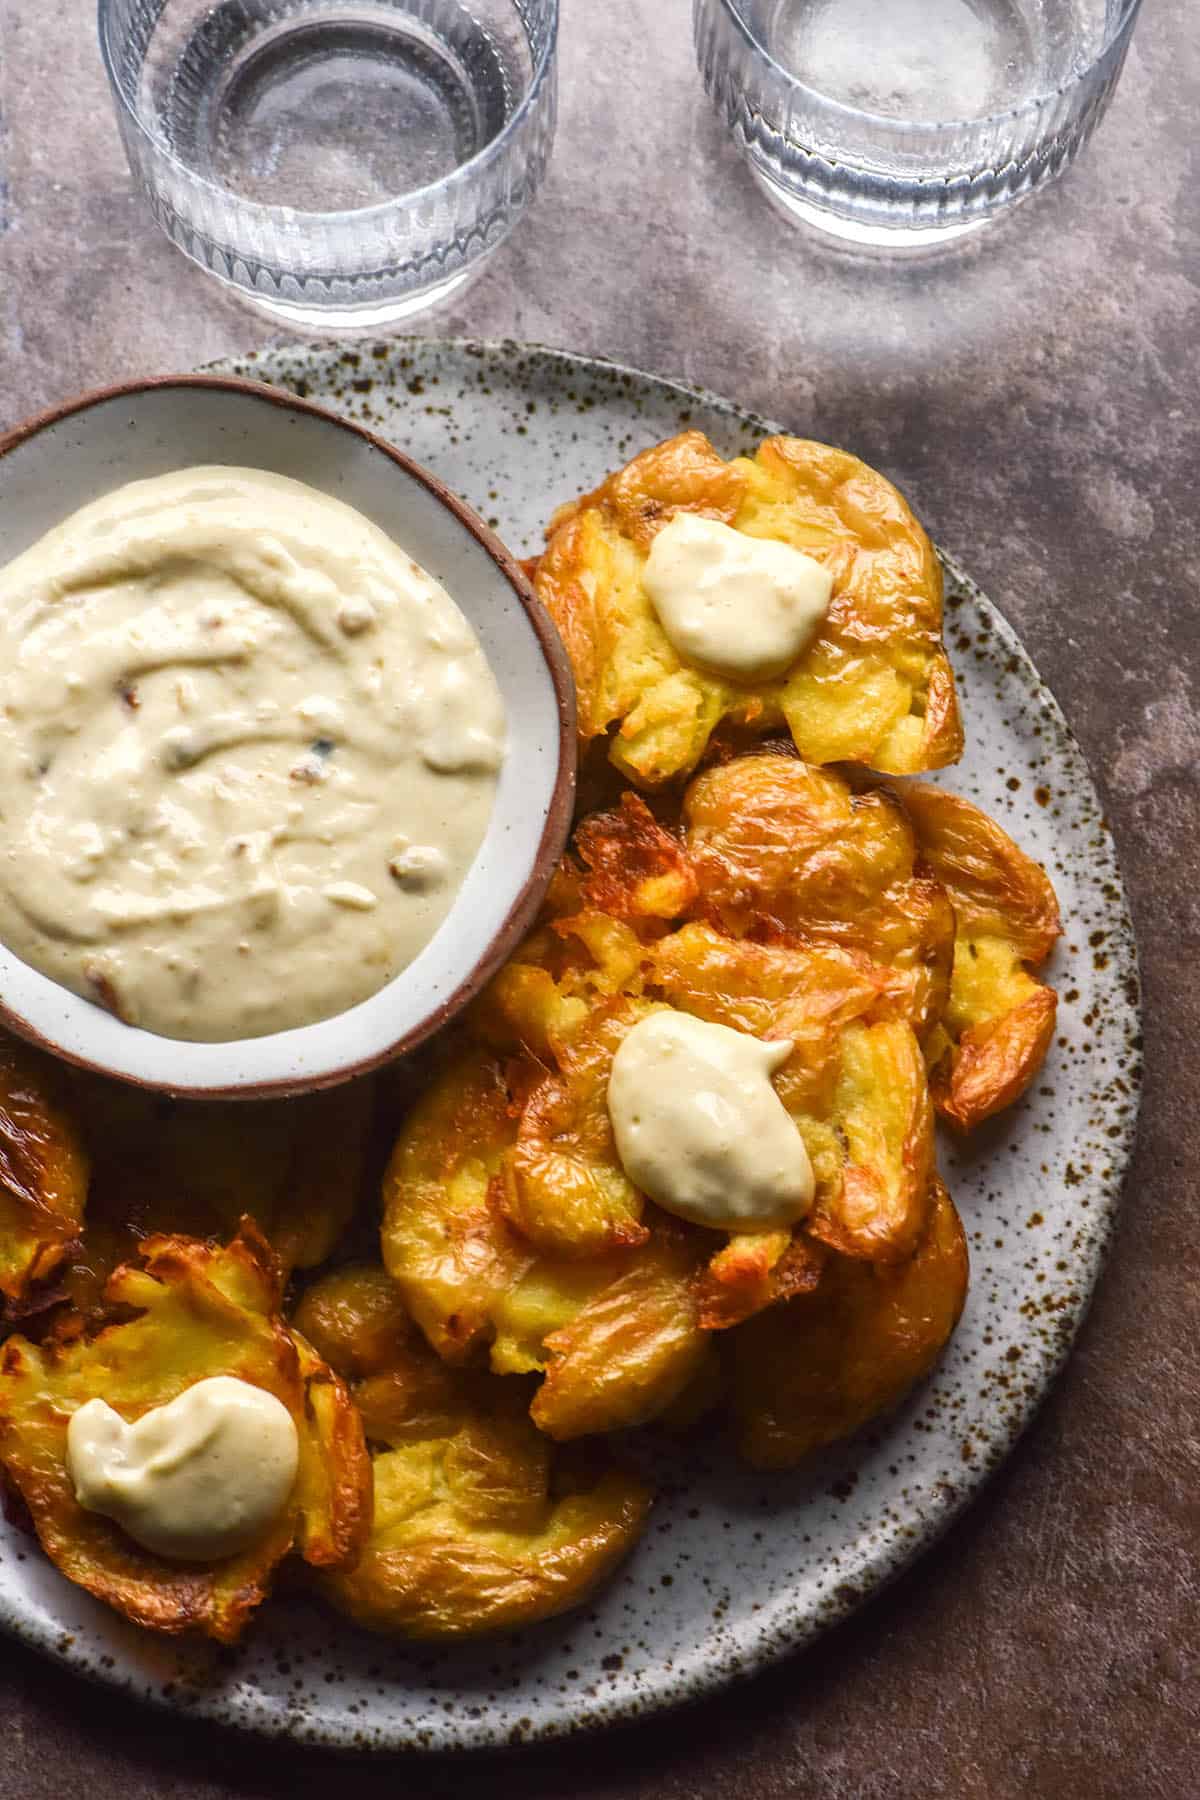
248, 752
739, 606
700, 1128
196, 1480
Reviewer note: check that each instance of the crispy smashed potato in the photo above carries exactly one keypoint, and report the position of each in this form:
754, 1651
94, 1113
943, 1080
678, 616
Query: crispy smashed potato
786, 902
999, 1020
195, 1168
816, 1370
472, 1281
510, 1226
778, 845
480, 1525
189, 1312
43, 1173
875, 687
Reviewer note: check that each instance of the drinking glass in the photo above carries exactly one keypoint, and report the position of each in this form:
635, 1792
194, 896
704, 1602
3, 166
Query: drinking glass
908, 122
338, 162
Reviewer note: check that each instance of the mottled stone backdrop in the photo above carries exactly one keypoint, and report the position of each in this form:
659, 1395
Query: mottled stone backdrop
1037, 394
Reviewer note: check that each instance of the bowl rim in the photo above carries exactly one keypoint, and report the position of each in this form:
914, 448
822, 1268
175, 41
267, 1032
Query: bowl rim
903, 128
528, 897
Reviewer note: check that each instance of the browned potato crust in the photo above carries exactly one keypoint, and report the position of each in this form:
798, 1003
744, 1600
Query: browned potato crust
479, 1525
197, 1311
445, 1244
43, 1172
637, 869
882, 1112
993, 1059
816, 1370
999, 1020
564, 1189
776, 844
632, 1349
195, 1168
756, 1269
355, 1319
875, 687
995, 888
332, 1498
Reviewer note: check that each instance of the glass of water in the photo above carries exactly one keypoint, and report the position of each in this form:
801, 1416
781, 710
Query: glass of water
909, 122
338, 162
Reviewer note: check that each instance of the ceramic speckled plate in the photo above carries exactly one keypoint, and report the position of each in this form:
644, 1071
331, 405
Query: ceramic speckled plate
702, 1601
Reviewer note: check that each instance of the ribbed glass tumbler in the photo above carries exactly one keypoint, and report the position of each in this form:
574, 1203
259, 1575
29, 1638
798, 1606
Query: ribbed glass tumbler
338, 162
908, 122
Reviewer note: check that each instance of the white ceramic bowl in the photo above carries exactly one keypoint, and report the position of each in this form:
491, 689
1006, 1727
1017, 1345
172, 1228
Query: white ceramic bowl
80, 450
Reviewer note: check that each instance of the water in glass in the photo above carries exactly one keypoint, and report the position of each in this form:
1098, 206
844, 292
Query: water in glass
327, 107
933, 59
335, 157
904, 122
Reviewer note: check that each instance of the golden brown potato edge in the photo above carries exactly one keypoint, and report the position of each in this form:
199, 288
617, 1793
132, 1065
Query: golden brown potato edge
998, 1022
818, 1369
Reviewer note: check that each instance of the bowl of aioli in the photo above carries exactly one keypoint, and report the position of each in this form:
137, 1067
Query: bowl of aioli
288, 742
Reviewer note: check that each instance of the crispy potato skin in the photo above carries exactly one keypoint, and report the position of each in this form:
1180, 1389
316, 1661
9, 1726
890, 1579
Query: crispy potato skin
995, 888
445, 1243
756, 1270
332, 1500
189, 1312
780, 846
999, 1019
875, 687
355, 1319
632, 1349
637, 870
479, 1526
883, 1112
564, 1189
195, 1168
992, 1061
43, 1173
816, 1370
771, 991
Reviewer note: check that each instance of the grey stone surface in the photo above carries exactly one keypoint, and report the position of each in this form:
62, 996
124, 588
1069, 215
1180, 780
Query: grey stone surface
1036, 393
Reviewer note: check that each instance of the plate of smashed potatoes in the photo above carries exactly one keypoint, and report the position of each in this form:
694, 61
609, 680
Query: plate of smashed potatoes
685, 1287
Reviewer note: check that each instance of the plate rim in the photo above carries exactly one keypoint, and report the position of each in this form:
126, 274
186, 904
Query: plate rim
689, 1683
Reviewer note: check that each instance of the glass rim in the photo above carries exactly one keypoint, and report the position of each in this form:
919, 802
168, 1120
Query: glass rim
913, 127
459, 175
